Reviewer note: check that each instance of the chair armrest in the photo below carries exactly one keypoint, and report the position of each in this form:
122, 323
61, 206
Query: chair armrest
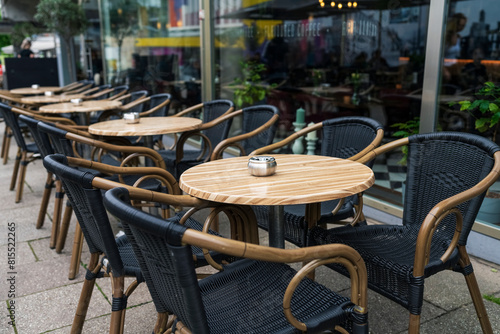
188, 110
152, 110
233, 141
441, 210
134, 103
179, 145
287, 140
101, 93
128, 150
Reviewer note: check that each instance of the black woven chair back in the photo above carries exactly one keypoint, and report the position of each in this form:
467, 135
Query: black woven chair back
441, 165
156, 100
345, 137
11, 119
254, 117
89, 209
134, 96
118, 90
165, 262
58, 139
41, 139
211, 111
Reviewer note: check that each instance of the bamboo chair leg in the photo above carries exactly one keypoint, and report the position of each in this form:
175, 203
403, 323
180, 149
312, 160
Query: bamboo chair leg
63, 230
475, 294
15, 171
22, 177
6, 145
414, 326
76, 252
118, 309
45, 200
56, 220
161, 323
85, 296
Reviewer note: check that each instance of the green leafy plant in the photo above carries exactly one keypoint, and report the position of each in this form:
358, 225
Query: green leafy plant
64, 17
406, 129
250, 88
488, 105
20, 31
492, 298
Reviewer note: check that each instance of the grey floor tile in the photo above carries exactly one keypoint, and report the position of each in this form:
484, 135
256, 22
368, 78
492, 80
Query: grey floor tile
52, 309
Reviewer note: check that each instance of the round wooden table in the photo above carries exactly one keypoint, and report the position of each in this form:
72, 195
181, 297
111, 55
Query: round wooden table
82, 109
299, 179
44, 99
147, 126
35, 91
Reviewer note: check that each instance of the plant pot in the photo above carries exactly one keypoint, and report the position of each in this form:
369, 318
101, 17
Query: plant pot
490, 210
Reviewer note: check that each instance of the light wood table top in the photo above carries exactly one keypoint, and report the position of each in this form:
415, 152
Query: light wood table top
147, 126
43, 99
86, 106
299, 179
35, 91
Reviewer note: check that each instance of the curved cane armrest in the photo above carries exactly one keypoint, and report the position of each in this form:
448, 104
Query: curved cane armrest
206, 143
359, 210
99, 94
445, 207
134, 103
223, 145
287, 140
152, 110
374, 144
188, 110
358, 286
155, 156
87, 92
219, 150
372, 154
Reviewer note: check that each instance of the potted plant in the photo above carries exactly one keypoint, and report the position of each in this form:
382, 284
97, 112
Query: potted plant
486, 111
250, 88
67, 19
406, 129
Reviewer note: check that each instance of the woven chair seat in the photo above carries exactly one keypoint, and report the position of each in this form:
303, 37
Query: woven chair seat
388, 252
250, 289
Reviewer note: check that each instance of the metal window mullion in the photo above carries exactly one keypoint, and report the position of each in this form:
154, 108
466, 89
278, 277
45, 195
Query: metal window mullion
433, 66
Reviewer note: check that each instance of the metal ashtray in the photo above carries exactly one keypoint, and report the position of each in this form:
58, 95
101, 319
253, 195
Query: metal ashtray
49, 93
262, 165
35, 86
77, 102
131, 117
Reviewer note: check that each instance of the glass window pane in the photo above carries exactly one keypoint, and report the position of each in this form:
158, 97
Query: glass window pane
154, 45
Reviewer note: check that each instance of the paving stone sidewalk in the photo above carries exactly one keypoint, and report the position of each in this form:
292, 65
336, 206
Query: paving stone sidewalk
45, 299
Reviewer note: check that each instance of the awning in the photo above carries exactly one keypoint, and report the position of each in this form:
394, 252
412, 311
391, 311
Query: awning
40, 44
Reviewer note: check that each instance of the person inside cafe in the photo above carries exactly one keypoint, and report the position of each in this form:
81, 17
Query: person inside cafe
26, 49
474, 74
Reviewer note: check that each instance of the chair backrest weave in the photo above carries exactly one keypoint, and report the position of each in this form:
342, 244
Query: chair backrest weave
441, 165
344, 137
254, 117
41, 139
57, 136
167, 265
211, 111
89, 209
11, 119
134, 96
158, 99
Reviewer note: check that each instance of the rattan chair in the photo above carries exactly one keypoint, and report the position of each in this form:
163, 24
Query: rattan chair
75, 145
251, 295
448, 175
258, 130
343, 137
214, 129
26, 152
84, 191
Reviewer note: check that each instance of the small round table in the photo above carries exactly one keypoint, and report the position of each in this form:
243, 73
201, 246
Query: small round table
147, 126
35, 91
299, 179
44, 99
83, 108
